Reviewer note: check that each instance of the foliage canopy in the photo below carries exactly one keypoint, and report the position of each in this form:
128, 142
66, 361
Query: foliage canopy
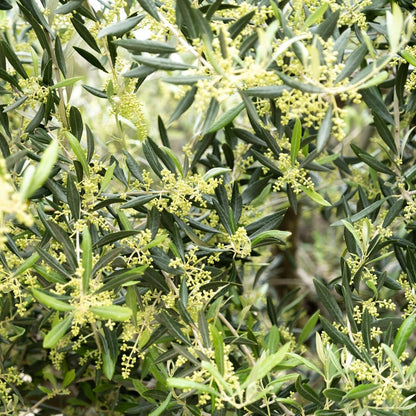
135, 261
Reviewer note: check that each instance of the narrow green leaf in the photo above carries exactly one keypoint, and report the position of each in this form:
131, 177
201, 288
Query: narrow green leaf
36, 120
68, 7
203, 329
271, 91
294, 83
136, 46
113, 237
69, 378
279, 236
319, 199
79, 152
394, 360
157, 241
149, 6
183, 292
393, 212
184, 383
328, 300
73, 197
60, 57
117, 279
113, 312
120, 28
34, 179
37, 28
13, 59
109, 365
406, 329
340, 338
50, 275
27, 264
307, 392
225, 118
334, 394
10, 79
394, 23
185, 19
89, 57
218, 345
139, 201
411, 369
378, 79
57, 332
361, 214
66, 82
324, 130
152, 158
366, 329
409, 57
52, 301
183, 105
308, 328
264, 365
328, 26
352, 63
163, 406
361, 391
219, 379
295, 141
209, 118
353, 232
54, 264
315, 16
85, 35
384, 132
161, 63
236, 28
107, 177
185, 80
139, 72
215, 172
299, 360
173, 327
15, 104
374, 101
86, 247
133, 166
94, 91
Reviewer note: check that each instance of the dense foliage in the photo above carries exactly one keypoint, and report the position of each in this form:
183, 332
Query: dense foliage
255, 255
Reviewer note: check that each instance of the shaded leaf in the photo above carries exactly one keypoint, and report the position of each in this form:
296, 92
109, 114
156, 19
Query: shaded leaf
114, 237
85, 35
149, 6
353, 62
13, 59
90, 58
172, 326
328, 300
